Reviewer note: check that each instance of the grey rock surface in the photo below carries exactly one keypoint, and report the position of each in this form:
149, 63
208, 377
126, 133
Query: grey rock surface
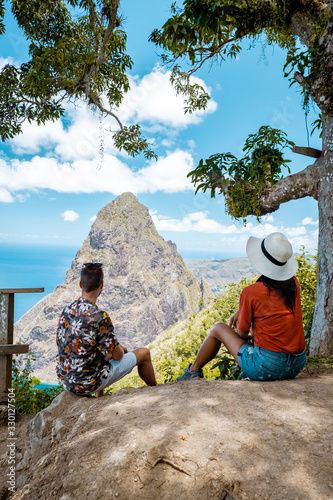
147, 286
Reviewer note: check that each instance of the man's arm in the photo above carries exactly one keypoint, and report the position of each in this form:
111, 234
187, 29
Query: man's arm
106, 341
117, 353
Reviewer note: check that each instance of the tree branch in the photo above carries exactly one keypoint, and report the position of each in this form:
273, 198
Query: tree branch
212, 52
293, 187
94, 99
93, 68
304, 15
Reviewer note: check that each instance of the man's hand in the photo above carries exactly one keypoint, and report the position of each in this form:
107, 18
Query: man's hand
234, 319
117, 353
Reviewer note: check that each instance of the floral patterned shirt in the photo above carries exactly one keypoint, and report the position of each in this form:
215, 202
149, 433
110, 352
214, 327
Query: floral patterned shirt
84, 338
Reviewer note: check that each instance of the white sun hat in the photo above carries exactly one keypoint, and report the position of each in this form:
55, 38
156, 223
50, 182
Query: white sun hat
272, 256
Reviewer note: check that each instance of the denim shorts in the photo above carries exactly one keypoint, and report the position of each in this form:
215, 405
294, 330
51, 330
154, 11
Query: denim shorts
118, 370
259, 364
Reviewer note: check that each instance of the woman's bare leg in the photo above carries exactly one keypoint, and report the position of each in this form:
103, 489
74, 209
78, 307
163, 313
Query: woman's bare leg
220, 334
145, 367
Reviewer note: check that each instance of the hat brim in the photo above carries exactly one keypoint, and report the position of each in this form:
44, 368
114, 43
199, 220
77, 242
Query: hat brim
264, 266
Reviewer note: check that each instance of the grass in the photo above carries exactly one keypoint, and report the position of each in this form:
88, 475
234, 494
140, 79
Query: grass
319, 362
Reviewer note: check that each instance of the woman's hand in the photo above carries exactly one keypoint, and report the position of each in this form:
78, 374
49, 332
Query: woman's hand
234, 319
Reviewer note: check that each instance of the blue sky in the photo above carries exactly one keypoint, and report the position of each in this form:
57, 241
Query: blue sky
52, 182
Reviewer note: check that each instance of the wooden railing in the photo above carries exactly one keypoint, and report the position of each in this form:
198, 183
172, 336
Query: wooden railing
7, 347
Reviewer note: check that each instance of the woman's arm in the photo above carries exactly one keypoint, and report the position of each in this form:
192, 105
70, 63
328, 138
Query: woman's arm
233, 324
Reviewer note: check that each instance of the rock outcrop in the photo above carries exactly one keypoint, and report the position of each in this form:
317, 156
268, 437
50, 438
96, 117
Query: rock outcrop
185, 441
147, 286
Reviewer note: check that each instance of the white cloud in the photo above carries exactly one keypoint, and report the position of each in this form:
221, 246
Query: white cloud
6, 60
5, 196
283, 113
152, 99
168, 174
22, 198
31, 236
93, 218
168, 143
196, 221
70, 216
65, 154
191, 144
235, 235
78, 140
307, 221
268, 218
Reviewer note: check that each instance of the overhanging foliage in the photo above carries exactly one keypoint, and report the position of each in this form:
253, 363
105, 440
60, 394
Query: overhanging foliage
77, 51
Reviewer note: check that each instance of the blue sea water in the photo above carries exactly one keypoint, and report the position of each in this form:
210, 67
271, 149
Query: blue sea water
32, 266
45, 386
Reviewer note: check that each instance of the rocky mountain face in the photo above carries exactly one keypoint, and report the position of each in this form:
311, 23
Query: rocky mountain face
147, 286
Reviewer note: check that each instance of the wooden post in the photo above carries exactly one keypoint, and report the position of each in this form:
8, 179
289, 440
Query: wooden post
7, 347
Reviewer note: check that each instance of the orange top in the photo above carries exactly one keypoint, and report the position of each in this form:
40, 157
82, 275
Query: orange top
274, 326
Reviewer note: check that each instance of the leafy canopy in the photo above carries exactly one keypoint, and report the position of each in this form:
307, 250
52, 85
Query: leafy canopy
77, 50
206, 29
214, 30
243, 180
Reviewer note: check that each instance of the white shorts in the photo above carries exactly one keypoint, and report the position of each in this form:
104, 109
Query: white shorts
118, 369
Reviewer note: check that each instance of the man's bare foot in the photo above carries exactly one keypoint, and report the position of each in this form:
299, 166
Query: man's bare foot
99, 394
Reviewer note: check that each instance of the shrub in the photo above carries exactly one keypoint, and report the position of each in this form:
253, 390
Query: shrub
307, 277
29, 399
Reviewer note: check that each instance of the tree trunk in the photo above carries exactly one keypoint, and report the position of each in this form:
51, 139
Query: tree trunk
322, 327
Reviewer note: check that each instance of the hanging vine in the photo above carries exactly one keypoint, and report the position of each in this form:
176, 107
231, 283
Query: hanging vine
101, 141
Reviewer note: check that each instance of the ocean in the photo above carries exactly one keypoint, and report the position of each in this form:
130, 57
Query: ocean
32, 266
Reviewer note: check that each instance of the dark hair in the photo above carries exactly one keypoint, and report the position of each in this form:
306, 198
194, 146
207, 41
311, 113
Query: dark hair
287, 289
91, 276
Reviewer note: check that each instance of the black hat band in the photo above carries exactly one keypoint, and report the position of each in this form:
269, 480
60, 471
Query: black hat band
270, 257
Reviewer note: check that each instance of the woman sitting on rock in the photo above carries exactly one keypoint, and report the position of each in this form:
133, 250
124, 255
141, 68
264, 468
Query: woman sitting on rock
271, 308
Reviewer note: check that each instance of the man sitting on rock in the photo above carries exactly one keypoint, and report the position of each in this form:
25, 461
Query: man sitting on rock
90, 357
